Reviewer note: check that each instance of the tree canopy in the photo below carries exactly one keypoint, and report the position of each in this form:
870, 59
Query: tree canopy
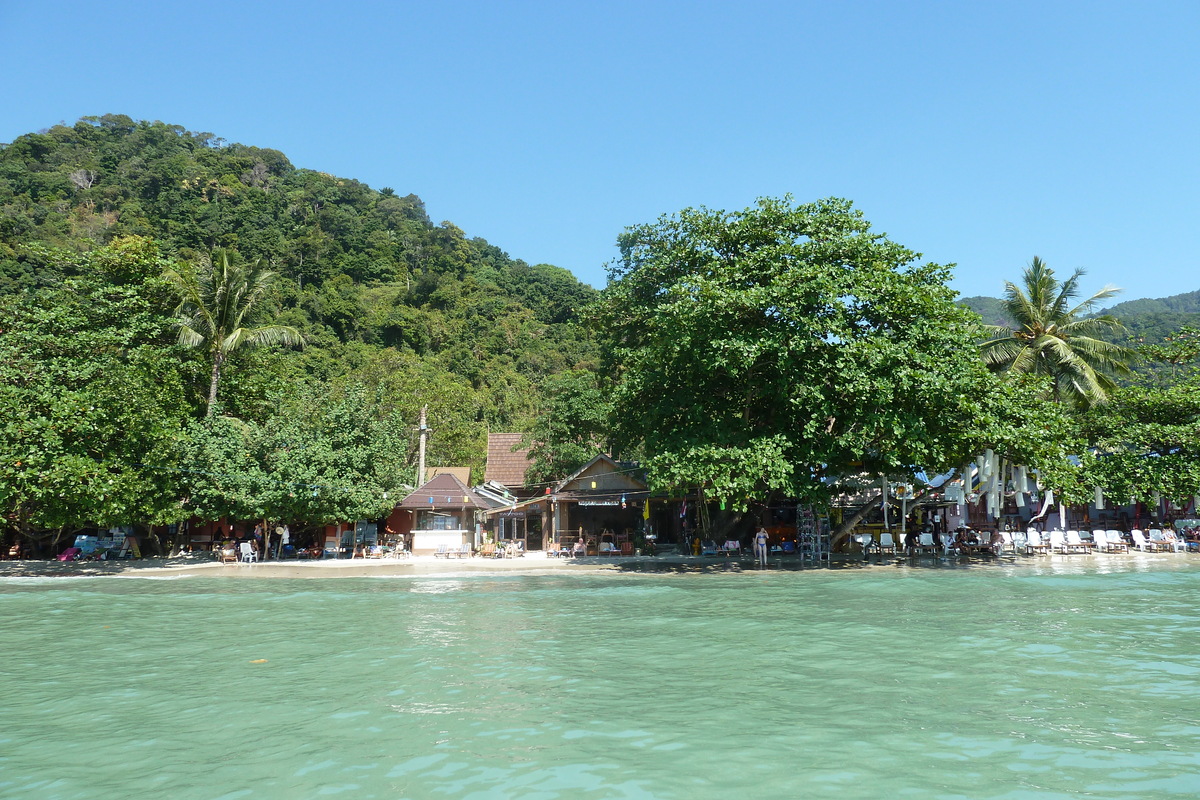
772, 349
103, 408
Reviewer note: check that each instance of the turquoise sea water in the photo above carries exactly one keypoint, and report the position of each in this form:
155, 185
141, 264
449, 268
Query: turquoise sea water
1050, 682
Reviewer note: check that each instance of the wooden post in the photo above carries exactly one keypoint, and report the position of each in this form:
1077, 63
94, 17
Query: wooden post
423, 434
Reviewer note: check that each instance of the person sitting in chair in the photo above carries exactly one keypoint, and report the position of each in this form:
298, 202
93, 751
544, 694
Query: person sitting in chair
580, 548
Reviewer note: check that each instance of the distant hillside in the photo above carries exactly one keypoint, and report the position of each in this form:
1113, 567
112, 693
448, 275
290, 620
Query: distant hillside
1147, 320
378, 290
1177, 303
990, 308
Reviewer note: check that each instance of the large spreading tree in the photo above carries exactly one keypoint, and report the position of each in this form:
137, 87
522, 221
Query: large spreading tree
776, 349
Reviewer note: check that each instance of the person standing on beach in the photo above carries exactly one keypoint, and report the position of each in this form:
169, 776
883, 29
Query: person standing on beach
760, 545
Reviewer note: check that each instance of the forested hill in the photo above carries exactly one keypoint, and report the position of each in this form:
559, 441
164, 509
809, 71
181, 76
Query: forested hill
1146, 320
375, 287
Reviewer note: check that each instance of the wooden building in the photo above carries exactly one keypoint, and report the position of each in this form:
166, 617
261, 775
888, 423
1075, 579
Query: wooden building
444, 512
507, 463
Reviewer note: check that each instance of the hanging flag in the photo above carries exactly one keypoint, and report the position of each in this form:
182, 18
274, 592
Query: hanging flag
646, 510
1046, 506
683, 509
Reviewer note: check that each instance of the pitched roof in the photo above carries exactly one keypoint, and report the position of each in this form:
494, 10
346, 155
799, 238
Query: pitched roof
462, 473
604, 474
504, 464
444, 491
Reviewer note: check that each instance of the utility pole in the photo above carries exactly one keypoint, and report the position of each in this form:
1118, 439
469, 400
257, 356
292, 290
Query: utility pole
423, 433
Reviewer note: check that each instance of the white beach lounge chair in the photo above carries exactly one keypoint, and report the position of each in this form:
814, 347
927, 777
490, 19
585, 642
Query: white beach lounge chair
1169, 539
1142, 543
1020, 542
1076, 544
1160, 540
887, 544
1113, 543
1035, 542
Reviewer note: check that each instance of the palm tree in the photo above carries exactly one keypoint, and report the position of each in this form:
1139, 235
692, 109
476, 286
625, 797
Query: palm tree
1052, 337
219, 306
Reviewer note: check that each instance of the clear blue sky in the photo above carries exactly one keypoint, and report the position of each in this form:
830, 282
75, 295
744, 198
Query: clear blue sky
979, 134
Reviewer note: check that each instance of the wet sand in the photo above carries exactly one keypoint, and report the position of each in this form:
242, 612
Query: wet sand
536, 563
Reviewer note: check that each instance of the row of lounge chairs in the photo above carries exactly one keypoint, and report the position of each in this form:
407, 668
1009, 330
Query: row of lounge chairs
1035, 542
445, 551
1111, 541
487, 550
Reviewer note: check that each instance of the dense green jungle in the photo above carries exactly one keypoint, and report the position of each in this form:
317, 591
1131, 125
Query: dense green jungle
102, 409
724, 355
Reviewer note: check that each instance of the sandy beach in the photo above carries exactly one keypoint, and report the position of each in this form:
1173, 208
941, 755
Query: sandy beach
538, 564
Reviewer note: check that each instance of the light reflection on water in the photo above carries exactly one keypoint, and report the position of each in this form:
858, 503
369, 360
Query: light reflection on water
1060, 680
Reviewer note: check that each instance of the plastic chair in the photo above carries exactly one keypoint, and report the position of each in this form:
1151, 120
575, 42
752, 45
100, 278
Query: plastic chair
1171, 540
1034, 542
1076, 544
887, 544
1141, 543
1116, 543
248, 554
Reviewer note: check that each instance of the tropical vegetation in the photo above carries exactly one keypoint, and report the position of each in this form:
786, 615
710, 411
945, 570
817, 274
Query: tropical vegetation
778, 351
137, 262
1056, 337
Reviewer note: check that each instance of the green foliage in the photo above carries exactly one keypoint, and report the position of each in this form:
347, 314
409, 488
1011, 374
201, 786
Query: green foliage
415, 313
320, 459
1187, 303
356, 265
990, 309
1175, 356
220, 307
767, 350
571, 427
1053, 336
90, 394
1146, 440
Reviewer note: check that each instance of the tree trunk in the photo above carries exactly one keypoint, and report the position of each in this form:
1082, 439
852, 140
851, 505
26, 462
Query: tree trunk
842, 532
218, 358
849, 522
